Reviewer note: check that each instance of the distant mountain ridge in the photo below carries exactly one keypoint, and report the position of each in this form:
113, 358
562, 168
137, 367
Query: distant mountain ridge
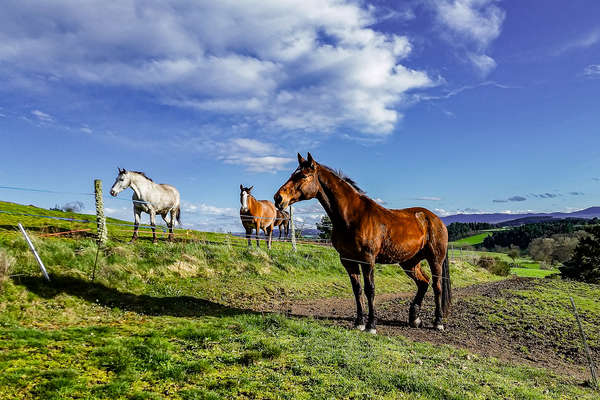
498, 218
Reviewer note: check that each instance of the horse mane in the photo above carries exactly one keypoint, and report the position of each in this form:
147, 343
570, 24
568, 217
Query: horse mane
142, 174
344, 177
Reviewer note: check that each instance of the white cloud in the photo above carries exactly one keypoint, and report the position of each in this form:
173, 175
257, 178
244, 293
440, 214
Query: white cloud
207, 209
472, 25
429, 198
255, 155
296, 65
380, 201
581, 42
592, 71
42, 116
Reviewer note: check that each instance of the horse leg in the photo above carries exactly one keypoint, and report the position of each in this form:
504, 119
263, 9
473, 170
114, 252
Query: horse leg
248, 234
369, 278
413, 270
172, 214
136, 225
153, 225
354, 273
257, 233
270, 232
436, 277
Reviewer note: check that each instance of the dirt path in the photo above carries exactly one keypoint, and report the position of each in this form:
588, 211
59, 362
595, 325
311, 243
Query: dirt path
464, 327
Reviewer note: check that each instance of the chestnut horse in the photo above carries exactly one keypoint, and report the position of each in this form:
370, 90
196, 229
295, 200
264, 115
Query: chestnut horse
256, 214
365, 233
283, 222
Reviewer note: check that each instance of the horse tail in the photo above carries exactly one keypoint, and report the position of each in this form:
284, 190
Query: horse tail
446, 288
178, 215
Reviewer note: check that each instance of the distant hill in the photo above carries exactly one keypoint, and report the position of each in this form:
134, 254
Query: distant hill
504, 219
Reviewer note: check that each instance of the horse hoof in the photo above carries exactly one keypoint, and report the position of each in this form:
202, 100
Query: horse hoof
372, 331
417, 323
439, 327
360, 327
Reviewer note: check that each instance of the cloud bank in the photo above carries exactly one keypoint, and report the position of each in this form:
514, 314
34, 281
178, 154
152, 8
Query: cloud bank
292, 65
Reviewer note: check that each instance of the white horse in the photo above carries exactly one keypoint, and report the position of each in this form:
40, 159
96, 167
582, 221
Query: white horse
149, 197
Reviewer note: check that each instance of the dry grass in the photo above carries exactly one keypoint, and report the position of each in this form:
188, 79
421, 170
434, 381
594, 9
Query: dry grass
6, 261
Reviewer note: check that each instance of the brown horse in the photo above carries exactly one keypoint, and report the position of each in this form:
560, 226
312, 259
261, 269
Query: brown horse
256, 214
283, 222
365, 233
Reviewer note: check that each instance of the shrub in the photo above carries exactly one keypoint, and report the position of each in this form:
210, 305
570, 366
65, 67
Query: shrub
494, 265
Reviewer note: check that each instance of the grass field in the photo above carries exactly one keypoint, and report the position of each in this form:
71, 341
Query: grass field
180, 321
527, 267
471, 240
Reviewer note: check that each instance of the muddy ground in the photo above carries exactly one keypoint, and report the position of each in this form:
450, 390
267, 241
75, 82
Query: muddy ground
466, 327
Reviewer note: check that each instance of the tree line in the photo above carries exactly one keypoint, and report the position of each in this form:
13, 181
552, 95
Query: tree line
523, 235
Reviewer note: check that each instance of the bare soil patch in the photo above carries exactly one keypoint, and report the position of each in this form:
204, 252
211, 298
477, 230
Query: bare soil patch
467, 327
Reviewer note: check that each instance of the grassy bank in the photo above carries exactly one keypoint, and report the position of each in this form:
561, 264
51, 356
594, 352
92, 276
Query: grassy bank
73, 339
174, 321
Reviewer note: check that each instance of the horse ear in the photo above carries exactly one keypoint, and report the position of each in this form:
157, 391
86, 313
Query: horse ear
241, 187
310, 160
300, 159
250, 188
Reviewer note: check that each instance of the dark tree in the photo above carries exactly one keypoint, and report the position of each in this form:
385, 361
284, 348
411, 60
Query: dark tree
324, 227
585, 263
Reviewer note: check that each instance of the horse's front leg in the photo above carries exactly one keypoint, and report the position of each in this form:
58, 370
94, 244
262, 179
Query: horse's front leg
353, 270
136, 224
369, 278
257, 233
153, 225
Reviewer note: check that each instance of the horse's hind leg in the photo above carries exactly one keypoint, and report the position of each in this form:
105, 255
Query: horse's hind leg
436, 277
171, 224
269, 234
353, 270
413, 269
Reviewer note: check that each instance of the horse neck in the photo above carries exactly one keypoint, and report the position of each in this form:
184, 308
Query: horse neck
335, 196
141, 186
252, 204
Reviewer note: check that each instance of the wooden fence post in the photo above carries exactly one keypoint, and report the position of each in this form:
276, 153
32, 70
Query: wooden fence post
293, 229
100, 218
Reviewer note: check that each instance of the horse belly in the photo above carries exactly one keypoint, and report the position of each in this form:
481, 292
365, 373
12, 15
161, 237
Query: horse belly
394, 253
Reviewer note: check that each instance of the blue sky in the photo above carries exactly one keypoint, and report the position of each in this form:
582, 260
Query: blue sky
454, 105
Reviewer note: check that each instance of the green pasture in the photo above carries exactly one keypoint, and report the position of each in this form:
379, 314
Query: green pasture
471, 240
179, 321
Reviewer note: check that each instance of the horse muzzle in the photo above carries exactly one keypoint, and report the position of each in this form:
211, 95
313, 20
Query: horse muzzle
113, 193
279, 203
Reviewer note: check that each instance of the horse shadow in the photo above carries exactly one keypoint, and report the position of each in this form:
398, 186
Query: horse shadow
98, 293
